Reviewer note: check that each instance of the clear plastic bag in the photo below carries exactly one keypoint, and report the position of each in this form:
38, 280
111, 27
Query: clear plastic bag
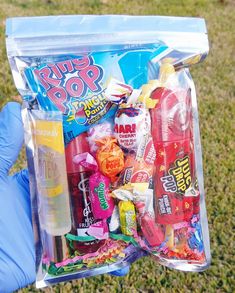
120, 88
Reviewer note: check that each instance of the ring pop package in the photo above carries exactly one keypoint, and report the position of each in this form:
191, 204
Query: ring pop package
112, 141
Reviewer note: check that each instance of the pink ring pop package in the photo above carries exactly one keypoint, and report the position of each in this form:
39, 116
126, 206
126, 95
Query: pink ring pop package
112, 141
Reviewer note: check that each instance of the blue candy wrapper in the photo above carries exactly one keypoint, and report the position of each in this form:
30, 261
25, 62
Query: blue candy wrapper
75, 85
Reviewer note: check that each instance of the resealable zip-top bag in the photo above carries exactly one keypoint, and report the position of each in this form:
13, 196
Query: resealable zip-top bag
112, 141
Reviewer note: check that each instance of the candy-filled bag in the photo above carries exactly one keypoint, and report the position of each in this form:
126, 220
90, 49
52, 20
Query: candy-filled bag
112, 140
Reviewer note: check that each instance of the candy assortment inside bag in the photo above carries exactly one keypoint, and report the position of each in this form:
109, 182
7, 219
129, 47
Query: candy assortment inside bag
175, 183
131, 139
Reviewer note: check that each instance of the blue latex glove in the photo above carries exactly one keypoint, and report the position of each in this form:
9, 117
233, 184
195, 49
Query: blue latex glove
17, 257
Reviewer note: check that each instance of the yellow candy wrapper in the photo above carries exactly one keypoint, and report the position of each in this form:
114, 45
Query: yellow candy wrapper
127, 217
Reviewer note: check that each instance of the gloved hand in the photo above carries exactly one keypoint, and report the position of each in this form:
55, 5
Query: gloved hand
17, 256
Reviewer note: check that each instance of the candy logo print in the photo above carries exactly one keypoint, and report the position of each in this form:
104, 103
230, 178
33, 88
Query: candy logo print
100, 190
73, 86
181, 174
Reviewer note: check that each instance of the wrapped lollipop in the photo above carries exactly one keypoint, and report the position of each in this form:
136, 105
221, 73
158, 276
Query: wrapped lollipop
110, 157
131, 124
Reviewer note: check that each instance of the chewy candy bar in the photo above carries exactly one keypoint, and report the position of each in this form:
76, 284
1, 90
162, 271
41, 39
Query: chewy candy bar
127, 217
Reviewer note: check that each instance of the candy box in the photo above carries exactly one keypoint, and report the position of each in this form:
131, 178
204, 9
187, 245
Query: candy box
112, 141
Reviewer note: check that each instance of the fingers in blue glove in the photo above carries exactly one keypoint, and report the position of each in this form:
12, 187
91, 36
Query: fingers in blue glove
21, 181
11, 135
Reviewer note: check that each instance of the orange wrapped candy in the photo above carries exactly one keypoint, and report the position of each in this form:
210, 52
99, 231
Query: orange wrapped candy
139, 166
136, 171
110, 157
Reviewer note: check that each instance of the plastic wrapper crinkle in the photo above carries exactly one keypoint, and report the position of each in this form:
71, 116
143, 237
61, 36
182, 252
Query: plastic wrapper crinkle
112, 141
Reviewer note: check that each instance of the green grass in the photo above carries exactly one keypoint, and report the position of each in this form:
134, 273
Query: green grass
214, 81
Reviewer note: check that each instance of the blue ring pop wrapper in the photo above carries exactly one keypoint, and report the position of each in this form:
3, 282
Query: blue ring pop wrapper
75, 85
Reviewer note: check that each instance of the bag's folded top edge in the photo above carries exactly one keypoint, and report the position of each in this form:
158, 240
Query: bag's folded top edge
27, 27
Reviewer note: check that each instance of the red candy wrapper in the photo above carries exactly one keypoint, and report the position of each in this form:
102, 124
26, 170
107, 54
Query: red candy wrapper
152, 232
78, 179
176, 197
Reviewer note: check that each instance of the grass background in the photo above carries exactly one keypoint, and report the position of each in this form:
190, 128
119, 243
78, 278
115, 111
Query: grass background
214, 81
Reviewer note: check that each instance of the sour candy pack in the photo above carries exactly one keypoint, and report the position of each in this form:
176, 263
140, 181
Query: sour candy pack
112, 141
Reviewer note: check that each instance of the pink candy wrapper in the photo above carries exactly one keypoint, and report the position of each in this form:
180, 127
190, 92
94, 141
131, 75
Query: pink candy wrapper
99, 230
101, 203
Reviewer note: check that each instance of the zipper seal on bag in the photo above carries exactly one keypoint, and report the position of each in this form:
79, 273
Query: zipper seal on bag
182, 33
